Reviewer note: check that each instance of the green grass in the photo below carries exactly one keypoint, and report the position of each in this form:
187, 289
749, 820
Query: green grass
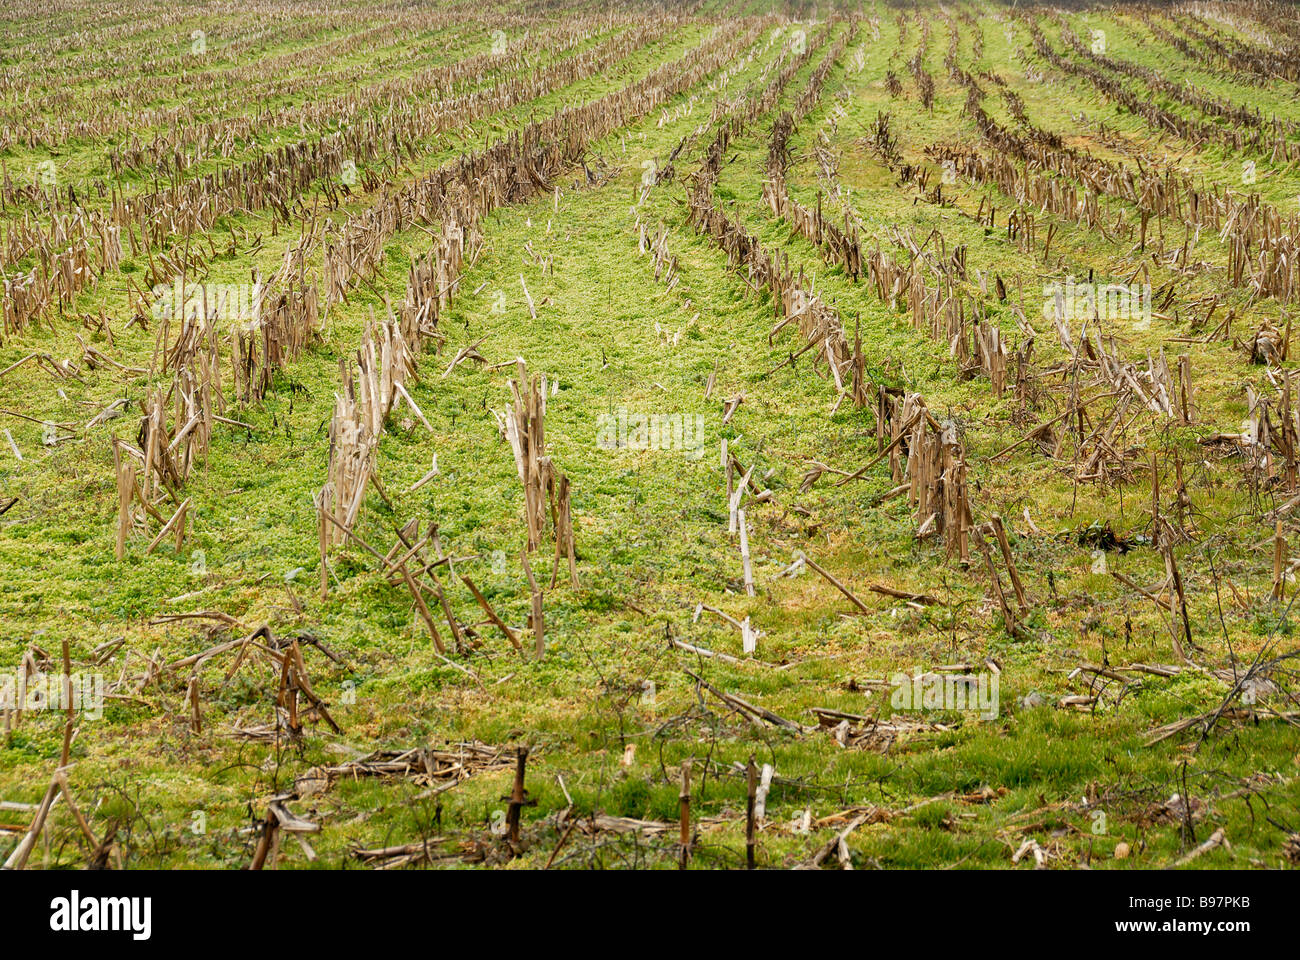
652, 543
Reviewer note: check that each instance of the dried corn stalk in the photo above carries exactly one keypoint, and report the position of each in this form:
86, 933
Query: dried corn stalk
352, 462
526, 431
543, 482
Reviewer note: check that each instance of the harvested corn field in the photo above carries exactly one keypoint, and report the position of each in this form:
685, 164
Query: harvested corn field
632, 435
